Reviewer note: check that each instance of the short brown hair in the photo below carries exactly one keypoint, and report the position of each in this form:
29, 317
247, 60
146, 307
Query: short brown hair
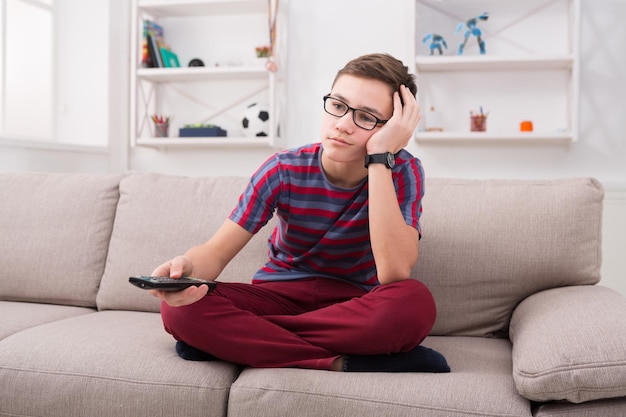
382, 67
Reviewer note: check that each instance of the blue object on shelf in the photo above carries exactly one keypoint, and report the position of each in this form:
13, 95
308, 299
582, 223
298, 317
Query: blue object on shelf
199, 132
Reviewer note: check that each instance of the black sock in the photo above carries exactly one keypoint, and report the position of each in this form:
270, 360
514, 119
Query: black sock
190, 353
420, 359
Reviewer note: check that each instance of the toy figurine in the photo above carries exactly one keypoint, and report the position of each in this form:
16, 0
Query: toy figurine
436, 42
472, 29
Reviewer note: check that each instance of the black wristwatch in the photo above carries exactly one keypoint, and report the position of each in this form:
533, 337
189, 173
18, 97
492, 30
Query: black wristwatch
386, 158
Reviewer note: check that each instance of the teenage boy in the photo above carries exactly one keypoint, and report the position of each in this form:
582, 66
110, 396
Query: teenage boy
336, 292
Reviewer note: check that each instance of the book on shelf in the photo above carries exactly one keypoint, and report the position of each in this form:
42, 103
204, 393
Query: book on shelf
152, 35
156, 53
170, 59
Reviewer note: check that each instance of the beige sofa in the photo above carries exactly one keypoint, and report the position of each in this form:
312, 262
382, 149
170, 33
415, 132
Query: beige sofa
512, 264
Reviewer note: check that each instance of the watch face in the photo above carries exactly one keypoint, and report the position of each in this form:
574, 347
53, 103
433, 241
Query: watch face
391, 160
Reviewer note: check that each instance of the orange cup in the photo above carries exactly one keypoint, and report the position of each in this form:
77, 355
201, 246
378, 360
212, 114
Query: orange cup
526, 126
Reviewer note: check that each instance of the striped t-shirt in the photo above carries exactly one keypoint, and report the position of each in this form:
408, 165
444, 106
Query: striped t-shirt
322, 230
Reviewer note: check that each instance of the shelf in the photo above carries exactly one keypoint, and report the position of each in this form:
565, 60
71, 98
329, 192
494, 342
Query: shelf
203, 142
522, 76
489, 137
165, 8
428, 63
216, 31
190, 74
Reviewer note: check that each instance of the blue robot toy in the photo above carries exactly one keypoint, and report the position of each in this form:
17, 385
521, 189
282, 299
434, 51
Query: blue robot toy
472, 29
436, 41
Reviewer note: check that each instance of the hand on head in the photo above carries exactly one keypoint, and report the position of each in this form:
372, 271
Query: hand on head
397, 132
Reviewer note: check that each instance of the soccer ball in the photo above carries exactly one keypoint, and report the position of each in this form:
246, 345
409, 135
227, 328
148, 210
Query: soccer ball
255, 122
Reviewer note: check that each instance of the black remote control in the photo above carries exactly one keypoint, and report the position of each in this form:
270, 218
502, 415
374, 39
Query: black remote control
169, 284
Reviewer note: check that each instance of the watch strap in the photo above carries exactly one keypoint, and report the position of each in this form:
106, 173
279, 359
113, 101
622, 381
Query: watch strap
386, 159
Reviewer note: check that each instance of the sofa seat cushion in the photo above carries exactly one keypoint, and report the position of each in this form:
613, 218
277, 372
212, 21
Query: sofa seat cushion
160, 216
488, 244
55, 236
17, 316
480, 384
570, 344
112, 363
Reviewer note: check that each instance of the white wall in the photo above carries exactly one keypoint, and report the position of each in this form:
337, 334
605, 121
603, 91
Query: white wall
82, 72
315, 55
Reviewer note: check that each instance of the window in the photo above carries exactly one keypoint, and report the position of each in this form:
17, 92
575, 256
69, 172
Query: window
26, 69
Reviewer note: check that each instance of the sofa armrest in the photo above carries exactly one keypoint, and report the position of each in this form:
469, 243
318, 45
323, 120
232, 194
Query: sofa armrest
570, 344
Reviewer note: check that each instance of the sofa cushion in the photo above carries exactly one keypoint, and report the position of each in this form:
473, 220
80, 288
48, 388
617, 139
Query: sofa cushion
488, 244
480, 384
570, 344
17, 316
55, 235
161, 216
112, 363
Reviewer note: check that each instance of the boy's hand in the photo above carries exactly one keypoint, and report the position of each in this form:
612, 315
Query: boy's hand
182, 298
397, 132
176, 268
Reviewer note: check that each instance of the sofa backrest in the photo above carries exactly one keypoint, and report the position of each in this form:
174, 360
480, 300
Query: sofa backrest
161, 216
54, 235
488, 244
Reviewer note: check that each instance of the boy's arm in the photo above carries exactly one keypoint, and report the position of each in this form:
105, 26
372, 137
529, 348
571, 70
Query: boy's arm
203, 261
394, 243
211, 257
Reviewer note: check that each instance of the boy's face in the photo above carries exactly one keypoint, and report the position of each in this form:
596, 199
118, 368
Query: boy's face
343, 141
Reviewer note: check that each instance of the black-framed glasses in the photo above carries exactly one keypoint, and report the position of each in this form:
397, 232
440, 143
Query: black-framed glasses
363, 119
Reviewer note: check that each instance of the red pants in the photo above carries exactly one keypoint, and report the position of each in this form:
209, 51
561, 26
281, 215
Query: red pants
303, 323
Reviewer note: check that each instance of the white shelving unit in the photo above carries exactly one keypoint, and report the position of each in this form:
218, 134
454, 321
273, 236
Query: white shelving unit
223, 34
524, 75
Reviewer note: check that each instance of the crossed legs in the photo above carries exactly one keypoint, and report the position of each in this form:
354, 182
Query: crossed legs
305, 323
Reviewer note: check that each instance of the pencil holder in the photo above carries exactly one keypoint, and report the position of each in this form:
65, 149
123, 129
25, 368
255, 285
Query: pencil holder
478, 122
161, 130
